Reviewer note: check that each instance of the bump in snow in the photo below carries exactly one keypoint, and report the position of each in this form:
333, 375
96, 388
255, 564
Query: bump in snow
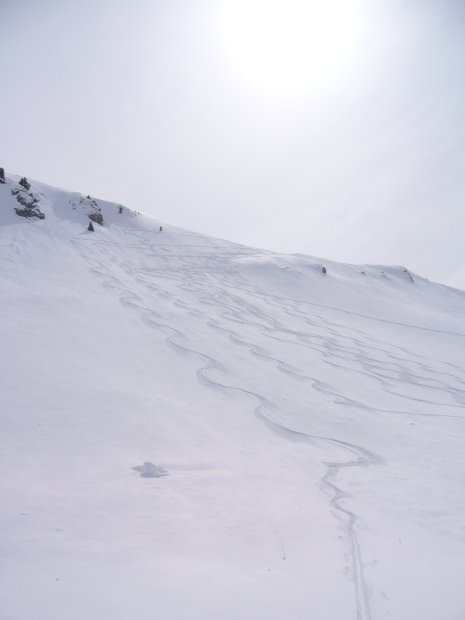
150, 470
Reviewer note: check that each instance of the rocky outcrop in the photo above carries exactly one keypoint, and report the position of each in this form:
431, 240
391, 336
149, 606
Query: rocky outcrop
89, 206
96, 217
28, 201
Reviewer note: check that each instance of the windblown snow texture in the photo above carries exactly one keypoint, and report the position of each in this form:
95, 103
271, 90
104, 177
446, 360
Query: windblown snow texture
194, 429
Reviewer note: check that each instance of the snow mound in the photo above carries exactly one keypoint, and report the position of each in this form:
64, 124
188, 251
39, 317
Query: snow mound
149, 470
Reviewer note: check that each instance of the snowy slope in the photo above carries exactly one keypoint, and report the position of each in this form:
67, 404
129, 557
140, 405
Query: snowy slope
307, 430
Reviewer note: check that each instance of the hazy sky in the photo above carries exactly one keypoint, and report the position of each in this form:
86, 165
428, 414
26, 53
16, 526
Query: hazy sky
333, 128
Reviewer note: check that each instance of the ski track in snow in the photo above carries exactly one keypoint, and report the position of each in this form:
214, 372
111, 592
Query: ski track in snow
357, 355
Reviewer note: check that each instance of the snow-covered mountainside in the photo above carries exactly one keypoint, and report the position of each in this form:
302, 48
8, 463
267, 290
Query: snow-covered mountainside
197, 430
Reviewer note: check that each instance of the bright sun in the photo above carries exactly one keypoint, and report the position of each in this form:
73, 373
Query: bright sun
291, 47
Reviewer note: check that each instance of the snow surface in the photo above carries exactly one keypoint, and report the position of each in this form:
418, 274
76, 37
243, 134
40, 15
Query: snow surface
194, 429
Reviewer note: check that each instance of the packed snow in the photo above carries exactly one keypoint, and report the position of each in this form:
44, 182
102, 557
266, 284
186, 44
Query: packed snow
197, 430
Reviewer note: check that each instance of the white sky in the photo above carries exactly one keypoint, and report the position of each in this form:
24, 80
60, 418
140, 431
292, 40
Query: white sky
170, 108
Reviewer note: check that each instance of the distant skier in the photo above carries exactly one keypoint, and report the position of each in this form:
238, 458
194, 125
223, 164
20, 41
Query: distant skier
2, 175
161, 228
323, 270
90, 227
120, 210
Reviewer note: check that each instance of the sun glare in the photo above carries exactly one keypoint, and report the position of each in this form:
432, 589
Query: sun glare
291, 47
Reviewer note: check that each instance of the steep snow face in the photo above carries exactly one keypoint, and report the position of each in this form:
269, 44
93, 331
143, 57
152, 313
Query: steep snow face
197, 429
